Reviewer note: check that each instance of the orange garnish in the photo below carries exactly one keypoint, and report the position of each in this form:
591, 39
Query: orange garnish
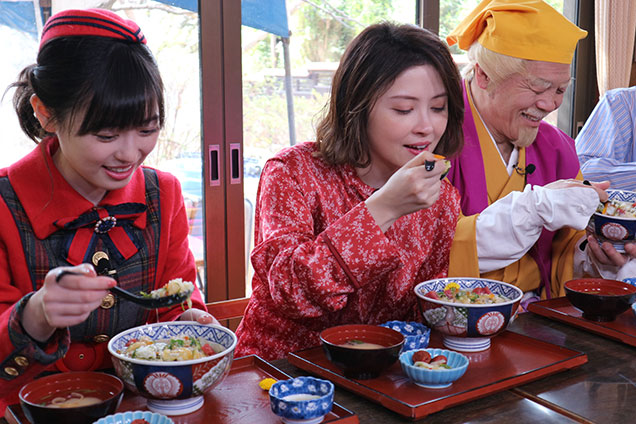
266, 383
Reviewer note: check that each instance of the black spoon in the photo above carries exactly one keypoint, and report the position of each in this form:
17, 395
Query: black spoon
143, 301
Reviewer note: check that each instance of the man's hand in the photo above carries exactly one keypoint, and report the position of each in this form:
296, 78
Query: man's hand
600, 187
606, 254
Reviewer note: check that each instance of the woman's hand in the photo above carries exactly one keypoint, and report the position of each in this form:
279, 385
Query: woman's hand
413, 187
199, 316
64, 303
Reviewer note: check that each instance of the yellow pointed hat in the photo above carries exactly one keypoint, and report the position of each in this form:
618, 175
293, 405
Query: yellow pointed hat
527, 29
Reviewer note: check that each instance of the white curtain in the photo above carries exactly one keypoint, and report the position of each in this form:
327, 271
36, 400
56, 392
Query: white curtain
615, 25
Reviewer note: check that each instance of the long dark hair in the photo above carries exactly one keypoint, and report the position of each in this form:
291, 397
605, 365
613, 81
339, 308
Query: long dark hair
106, 82
370, 64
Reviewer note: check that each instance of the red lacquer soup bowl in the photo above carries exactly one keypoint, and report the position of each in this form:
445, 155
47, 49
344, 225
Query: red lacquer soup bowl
362, 351
600, 299
71, 397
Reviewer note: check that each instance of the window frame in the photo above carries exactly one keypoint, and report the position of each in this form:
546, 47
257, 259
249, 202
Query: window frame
221, 102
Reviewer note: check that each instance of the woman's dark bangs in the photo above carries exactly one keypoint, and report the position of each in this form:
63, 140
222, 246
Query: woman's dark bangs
126, 95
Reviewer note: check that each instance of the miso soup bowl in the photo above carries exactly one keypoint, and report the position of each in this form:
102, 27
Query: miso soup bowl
36, 397
615, 229
599, 299
468, 327
175, 387
362, 363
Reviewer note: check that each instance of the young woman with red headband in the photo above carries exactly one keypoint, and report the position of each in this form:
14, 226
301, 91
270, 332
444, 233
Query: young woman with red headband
94, 105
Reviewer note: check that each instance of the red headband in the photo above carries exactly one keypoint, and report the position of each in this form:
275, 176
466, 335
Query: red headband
96, 22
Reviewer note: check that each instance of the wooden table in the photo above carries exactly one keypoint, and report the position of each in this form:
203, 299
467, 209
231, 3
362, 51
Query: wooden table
601, 391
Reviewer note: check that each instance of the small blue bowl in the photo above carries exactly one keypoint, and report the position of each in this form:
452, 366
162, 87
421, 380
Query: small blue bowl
416, 335
129, 416
302, 399
434, 379
631, 281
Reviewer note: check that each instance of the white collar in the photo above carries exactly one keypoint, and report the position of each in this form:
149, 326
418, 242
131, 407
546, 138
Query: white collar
514, 156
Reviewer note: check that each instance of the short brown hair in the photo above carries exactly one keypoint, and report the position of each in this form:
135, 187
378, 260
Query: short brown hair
370, 64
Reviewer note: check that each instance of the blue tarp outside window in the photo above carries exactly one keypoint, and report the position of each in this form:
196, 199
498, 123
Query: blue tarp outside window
19, 15
266, 15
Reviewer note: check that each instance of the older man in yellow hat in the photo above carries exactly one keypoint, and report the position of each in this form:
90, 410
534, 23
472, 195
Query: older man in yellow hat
524, 202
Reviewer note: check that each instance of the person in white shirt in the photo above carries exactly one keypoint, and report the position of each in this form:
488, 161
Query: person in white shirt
606, 146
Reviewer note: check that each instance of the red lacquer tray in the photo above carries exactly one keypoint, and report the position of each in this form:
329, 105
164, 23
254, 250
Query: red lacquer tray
512, 360
238, 399
623, 328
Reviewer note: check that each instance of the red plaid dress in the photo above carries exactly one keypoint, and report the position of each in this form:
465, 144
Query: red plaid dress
36, 207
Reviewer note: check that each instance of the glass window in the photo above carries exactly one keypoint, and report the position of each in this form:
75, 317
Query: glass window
173, 36
18, 49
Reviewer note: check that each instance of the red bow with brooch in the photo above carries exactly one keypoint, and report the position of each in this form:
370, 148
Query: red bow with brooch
102, 221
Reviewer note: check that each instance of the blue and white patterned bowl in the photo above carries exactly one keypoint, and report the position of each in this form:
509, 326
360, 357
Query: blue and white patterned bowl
302, 399
129, 416
631, 281
416, 335
468, 327
177, 387
434, 379
613, 229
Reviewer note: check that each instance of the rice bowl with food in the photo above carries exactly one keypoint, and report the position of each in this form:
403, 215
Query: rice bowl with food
174, 385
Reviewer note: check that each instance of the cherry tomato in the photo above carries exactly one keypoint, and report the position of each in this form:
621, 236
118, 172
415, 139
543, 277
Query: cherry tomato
482, 290
432, 295
439, 358
207, 349
421, 356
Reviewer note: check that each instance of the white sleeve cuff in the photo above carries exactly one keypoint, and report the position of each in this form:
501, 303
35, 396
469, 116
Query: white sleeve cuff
565, 207
509, 227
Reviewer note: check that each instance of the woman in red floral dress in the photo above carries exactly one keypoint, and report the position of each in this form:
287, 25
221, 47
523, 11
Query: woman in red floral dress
348, 225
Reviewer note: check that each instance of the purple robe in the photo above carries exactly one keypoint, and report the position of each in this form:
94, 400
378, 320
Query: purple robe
552, 153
